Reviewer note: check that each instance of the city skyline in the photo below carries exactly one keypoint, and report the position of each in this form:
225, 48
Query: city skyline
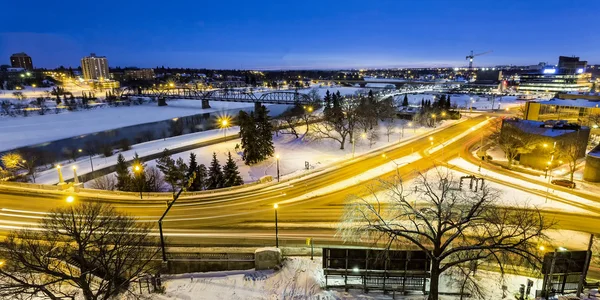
267, 35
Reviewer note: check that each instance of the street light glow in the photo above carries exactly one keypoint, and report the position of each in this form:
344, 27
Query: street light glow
136, 168
542, 248
275, 206
70, 199
277, 156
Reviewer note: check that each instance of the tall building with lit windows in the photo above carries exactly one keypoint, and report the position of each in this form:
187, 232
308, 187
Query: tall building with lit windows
568, 76
94, 67
21, 60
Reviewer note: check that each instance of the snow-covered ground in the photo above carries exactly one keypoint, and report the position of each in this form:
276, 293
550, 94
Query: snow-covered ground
301, 278
523, 197
36, 129
294, 152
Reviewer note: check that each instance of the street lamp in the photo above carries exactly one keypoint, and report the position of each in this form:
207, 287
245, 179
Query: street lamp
91, 163
70, 199
548, 281
434, 119
277, 158
137, 169
275, 206
224, 123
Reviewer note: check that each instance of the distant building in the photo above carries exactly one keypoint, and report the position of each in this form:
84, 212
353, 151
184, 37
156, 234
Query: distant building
21, 60
104, 84
95, 67
485, 81
547, 134
568, 76
139, 74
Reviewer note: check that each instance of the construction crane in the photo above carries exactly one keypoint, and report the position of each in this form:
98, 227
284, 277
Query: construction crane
471, 56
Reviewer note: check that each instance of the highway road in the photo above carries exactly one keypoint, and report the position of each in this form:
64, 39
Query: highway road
247, 216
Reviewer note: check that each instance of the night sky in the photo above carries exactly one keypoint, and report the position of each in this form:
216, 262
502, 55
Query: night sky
283, 34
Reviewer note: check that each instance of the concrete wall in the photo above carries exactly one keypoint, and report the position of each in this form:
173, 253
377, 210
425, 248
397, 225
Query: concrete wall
181, 266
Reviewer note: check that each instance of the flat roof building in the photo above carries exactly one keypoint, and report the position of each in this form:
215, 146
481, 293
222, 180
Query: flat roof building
568, 76
21, 60
94, 67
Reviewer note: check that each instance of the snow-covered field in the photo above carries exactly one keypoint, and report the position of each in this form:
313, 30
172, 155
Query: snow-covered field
294, 152
35, 129
301, 278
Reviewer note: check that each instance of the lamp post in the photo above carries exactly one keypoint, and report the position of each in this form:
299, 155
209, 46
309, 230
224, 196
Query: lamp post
277, 158
434, 119
275, 206
548, 286
60, 176
224, 124
91, 163
137, 169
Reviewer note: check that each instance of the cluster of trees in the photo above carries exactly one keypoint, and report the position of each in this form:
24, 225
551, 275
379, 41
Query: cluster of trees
514, 139
15, 166
64, 100
256, 132
173, 173
457, 229
343, 117
442, 108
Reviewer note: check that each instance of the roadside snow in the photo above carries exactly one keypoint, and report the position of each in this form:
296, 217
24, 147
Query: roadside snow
301, 278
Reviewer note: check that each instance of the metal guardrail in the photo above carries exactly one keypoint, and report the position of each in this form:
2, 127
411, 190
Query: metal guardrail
212, 257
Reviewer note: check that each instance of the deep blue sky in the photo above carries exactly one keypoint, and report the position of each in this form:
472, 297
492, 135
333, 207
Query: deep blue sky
283, 34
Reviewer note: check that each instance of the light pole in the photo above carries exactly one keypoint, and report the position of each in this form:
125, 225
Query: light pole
277, 158
91, 163
275, 206
548, 286
434, 120
224, 124
137, 169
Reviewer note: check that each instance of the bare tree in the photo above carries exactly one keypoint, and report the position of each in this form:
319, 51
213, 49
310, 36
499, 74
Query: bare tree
89, 249
389, 128
19, 95
372, 136
339, 122
570, 150
106, 182
454, 227
514, 141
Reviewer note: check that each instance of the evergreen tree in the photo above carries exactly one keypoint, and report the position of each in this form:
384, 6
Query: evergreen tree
231, 175
249, 137
123, 176
448, 103
327, 100
264, 130
197, 183
215, 175
202, 176
422, 103
405, 101
167, 166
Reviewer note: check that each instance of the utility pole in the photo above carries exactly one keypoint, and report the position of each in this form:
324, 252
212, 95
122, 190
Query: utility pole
586, 265
175, 197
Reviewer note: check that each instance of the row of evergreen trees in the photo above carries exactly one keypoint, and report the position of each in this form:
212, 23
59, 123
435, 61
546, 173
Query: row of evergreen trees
256, 132
177, 174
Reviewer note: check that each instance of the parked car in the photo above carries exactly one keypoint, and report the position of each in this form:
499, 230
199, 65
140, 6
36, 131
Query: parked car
565, 183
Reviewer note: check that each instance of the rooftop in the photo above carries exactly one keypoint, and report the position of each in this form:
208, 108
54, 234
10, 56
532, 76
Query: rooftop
571, 102
549, 128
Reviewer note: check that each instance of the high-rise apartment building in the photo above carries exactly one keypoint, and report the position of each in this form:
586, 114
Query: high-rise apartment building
94, 67
21, 60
